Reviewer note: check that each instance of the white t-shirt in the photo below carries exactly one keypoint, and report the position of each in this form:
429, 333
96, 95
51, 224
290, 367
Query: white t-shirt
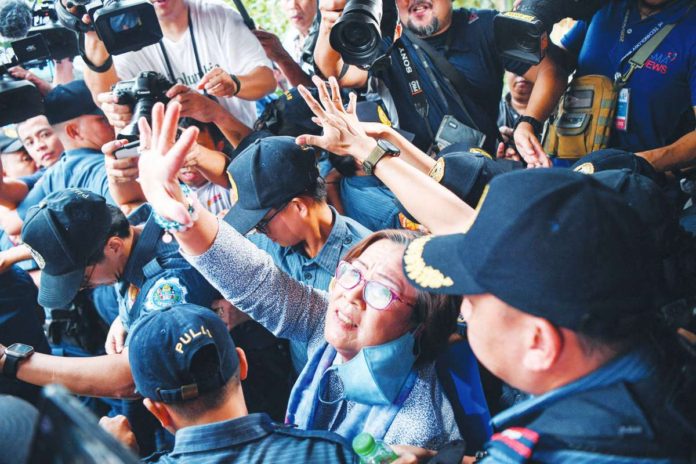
213, 197
222, 40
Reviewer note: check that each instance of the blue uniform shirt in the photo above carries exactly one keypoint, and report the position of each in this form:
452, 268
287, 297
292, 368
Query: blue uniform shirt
82, 168
156, 276
593, 413
32, 179
664, 90
473, 53
255, 438
367, 200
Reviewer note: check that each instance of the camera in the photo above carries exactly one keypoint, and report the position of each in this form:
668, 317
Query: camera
357, 35
123, 25
42, 39
141, 93
523, 34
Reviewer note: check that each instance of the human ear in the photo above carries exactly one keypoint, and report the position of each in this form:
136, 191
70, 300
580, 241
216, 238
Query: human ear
161, 413
543, 345
243, 365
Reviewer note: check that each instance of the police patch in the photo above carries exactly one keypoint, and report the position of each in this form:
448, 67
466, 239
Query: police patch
480, 151
165, 293
437, 172
585, 168
383, 116
37, 257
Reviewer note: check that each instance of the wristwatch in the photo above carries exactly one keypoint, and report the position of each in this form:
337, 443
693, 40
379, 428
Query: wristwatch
13, 355
537, 126
383, 148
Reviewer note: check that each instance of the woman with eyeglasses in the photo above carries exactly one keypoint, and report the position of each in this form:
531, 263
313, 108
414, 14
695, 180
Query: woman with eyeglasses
372, 339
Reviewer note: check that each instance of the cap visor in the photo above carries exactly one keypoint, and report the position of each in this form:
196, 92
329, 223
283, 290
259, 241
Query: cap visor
57, 292
444, 254
243, 220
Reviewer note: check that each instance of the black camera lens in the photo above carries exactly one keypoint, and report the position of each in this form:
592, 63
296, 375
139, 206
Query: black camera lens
356, 35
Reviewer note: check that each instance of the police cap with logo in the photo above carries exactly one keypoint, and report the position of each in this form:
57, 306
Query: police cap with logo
179, 353
63, 232
552, 243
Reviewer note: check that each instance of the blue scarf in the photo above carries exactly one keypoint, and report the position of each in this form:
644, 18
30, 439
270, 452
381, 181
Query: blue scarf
304, 401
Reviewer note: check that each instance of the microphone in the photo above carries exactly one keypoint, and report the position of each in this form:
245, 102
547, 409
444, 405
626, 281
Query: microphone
16, 19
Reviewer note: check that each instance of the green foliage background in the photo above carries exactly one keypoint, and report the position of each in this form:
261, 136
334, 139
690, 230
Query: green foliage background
268, 15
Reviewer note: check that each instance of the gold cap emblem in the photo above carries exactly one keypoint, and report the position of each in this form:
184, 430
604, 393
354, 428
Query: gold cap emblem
418, 271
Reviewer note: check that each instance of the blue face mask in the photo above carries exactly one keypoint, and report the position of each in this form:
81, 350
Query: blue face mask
376, 374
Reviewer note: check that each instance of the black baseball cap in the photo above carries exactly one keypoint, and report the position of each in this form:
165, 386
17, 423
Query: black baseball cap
553, 243
62, 233
163, 347
69, 101
614, 158
289, 115
9, 141
17, 429
268, 173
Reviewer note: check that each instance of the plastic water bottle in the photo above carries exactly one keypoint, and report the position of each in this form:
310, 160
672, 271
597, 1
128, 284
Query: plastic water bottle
372, 451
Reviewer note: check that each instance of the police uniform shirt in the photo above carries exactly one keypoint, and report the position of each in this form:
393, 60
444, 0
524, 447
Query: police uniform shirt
367, 200
663, 92
255, 438
600, 418
81, 168
473, 53
156, 276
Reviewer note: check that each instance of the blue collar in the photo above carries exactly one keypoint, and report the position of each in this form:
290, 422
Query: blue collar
143, 252
80, 152
225, 434
630, 367
330, 253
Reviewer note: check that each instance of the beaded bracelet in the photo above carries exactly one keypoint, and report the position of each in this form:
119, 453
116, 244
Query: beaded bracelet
170, 226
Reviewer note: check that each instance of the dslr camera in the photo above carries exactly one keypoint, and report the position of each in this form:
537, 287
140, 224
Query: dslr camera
140, 93
523, 34
123, 25
39, 38
357, 35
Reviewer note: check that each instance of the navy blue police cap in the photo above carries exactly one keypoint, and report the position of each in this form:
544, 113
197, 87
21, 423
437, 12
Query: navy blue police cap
9, 141
268, 173
62, 233
163, 348
552, 243
614, 158
289, 115
69, 101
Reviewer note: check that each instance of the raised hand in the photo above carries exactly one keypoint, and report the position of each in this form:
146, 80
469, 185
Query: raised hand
161, 158
343, 132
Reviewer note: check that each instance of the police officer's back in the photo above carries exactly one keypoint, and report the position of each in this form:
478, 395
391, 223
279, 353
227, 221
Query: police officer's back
187, 367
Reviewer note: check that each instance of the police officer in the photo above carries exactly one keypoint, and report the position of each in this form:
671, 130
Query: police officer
191, 381
559, 286
81, 242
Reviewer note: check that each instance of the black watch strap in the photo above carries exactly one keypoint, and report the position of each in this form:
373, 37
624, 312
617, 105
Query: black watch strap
93, 67
9, 369
237, 83
537, 125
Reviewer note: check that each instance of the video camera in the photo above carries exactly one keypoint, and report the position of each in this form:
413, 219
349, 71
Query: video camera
39, 38
123, 25
357, 35
141, 93
523, 34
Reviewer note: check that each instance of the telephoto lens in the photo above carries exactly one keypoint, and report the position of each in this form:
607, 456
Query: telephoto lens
356, 35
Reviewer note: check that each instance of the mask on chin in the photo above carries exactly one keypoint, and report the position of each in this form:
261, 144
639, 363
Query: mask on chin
375, 375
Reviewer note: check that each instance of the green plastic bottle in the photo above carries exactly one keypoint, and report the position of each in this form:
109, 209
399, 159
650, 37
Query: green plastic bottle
372, 451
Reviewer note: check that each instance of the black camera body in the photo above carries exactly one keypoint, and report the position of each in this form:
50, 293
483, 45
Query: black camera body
523, 35
46, 40
357, 35
140, 93
123, 25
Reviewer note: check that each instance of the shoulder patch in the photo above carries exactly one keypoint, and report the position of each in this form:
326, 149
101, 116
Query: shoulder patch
516, 444
585, 168
165, 293
437, 172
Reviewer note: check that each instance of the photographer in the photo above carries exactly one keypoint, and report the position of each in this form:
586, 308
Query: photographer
655, 111
465, 39
205, 47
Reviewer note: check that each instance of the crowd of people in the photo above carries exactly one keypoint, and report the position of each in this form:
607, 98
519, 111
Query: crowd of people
299, 250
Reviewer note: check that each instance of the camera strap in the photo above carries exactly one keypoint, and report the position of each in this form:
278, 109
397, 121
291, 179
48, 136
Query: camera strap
420, 101
170, 70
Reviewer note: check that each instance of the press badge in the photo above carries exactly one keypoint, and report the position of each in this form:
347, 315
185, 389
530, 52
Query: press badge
621, 120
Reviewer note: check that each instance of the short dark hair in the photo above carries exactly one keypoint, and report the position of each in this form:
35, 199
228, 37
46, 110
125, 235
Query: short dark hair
120, 227
437, 313
204, 364
617, 336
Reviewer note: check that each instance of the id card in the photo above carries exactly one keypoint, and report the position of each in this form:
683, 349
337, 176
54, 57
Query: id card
621, 120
